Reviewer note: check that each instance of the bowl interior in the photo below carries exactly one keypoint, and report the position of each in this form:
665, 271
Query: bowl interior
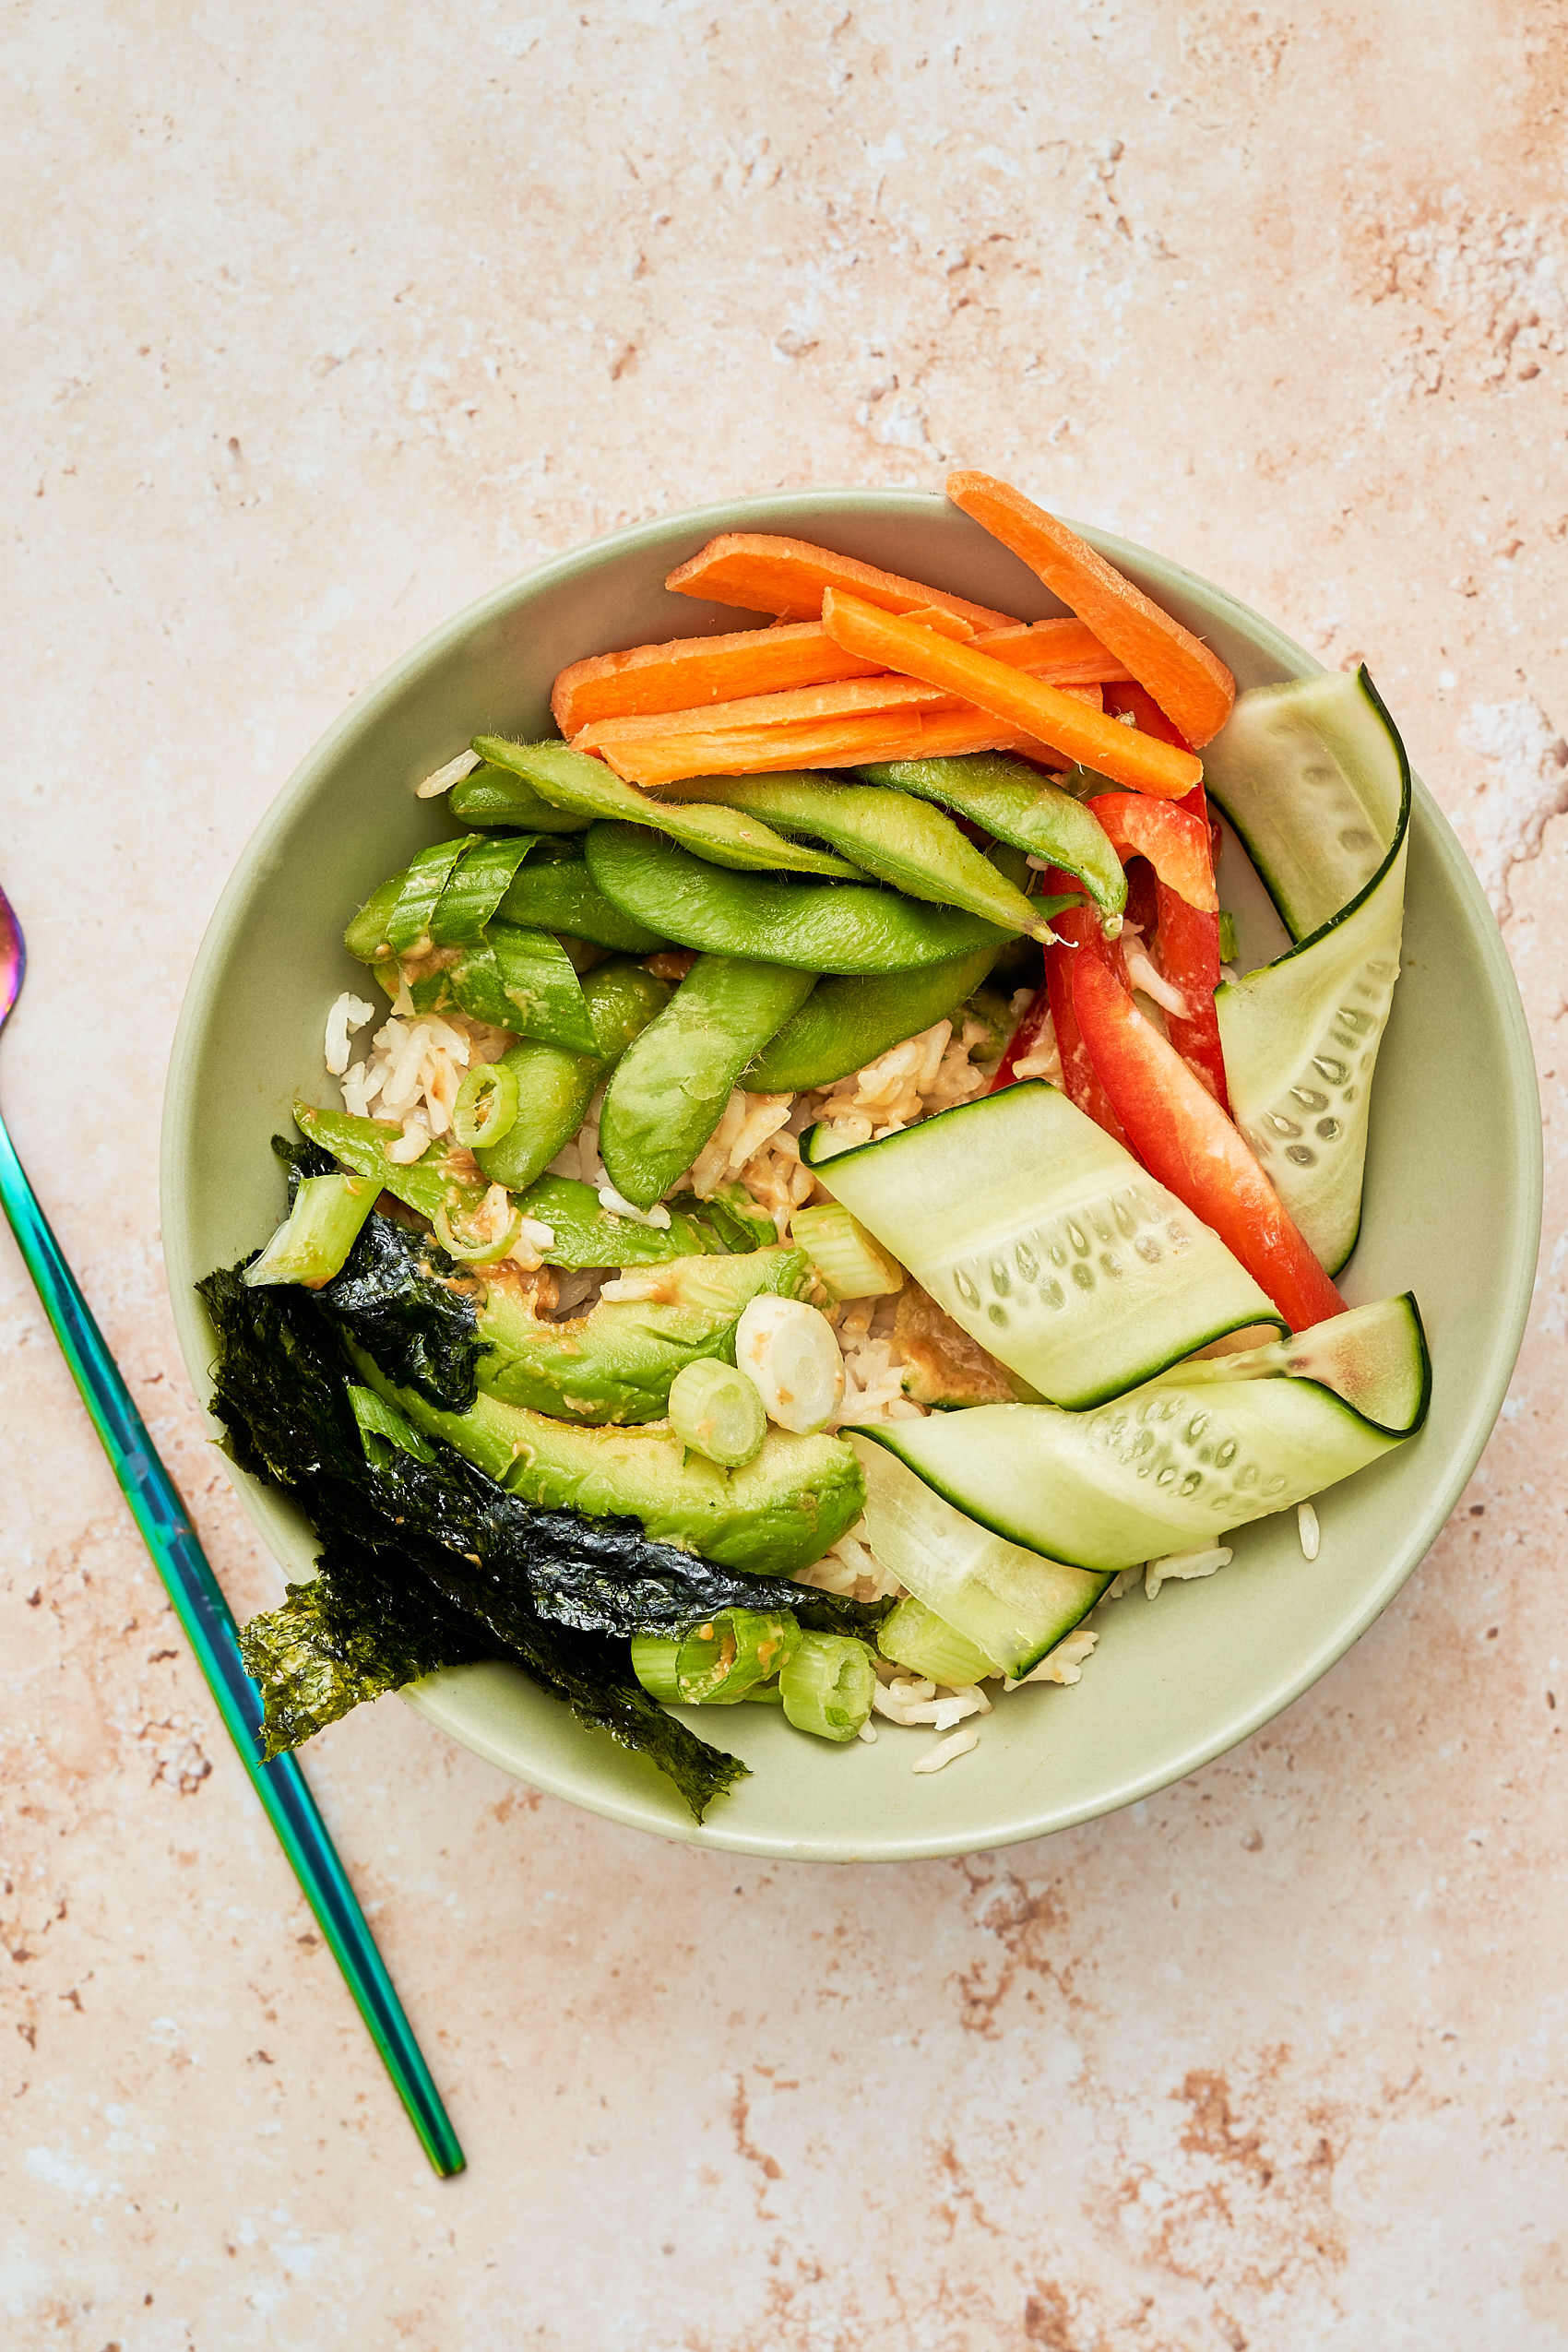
1452, 1211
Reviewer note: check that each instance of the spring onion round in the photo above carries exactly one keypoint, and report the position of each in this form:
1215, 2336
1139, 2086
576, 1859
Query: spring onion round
722, 1660
828, 1685
477, 1249
654, 1657
322, 1228
715, 1411
790, 1354
913, 1635
847, 1261
486, 1108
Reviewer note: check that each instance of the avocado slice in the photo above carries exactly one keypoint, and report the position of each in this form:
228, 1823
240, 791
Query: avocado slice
774, 1515
616, 1362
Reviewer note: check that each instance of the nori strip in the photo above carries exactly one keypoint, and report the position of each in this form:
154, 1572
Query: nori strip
543, 1588
403, 1298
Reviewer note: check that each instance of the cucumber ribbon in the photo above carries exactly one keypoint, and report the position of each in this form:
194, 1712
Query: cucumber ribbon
1314, 780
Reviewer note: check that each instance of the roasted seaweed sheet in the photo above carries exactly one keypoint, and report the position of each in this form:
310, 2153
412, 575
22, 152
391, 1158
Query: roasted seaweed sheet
433, 1563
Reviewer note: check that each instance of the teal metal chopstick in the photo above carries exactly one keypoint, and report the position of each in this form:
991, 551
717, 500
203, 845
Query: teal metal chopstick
209, 1628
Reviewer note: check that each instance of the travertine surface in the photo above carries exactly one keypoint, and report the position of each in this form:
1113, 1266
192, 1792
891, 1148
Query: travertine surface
315, 324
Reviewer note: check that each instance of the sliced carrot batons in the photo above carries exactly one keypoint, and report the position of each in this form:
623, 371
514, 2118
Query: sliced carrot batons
1190, 684
1050, 714
651, 751
689, 674
786, 576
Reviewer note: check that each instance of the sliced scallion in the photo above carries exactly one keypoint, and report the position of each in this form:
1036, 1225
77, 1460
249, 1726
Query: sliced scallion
322, 1228
828, 1685
849, 1264
486, 1108
655, 1658
721, 1660
913, 1635
473, 1247
716, 1411
381, 1424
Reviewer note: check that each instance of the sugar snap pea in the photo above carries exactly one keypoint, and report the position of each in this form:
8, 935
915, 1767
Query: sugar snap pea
423, 881
495, 797
667, 1094
522, 980
899, 838
1019, 804
725, 836
475, 889
560, 895
555, 1086
844, 1024
817, 927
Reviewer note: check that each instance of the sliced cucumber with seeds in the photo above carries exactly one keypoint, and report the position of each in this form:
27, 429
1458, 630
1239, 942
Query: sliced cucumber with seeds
1315, 780
1204, 1448
1045, 1241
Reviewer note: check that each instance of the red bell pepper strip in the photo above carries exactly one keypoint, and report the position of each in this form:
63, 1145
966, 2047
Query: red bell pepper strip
1170, 834
1146, 713
1188, 1145
1189, 957
1082, 942
1023, 1039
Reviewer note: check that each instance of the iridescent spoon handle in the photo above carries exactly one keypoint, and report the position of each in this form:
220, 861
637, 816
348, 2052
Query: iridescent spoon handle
209, 1628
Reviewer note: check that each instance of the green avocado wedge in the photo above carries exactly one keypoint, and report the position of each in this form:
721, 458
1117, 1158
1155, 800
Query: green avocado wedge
774, 1515
616, 1362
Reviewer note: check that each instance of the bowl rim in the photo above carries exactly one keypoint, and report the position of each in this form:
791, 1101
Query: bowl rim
438, 1699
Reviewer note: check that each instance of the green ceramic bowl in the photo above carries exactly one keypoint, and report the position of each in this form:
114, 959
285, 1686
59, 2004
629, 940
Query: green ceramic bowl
1453, 1211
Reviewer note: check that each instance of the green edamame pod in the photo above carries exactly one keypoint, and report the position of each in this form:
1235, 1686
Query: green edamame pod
900, 840
844, 1024
476, 889
560, 896
669, 1094
1019, 804
723, 836
817, 927
493, 796
554, 1086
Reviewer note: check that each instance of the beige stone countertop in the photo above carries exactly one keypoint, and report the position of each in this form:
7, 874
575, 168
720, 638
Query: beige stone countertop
318, 325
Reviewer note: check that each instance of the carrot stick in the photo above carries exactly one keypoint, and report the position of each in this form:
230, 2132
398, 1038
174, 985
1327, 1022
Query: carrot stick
1053, 717
688, 672
786, 576
650, 753
1190, 684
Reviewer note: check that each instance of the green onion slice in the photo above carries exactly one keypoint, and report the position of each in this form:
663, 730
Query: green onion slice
486, 1108
828, 1685
721, 1660
715, 1411
847, 1260
472, 1250
913, 1635
654, 1661
322, 1228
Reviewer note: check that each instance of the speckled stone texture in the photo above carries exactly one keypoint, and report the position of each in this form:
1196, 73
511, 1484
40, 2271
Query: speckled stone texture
318, 324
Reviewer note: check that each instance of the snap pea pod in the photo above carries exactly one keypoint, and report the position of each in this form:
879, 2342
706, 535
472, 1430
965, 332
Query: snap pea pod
495, 797
1019, 804
522, 980
423, 881
554, 1086
560, 895
844, 1024
667, 1094
899, 838
724, 837
585, 1234
366, 938
477, 885
817, 927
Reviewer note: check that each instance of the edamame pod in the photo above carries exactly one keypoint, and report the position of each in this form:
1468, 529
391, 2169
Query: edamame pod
817, 927
493, 796
554, 1086
560, 896
725, 836
844, 1024
1017, 804
900, 840
669, 1094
